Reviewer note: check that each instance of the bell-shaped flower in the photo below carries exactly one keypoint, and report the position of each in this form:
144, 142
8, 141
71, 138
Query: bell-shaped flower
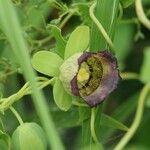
90, 76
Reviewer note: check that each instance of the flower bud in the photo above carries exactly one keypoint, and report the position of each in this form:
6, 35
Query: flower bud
92, 76
29, 136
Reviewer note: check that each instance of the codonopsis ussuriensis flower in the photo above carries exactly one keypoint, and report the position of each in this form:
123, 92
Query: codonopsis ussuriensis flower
91, 76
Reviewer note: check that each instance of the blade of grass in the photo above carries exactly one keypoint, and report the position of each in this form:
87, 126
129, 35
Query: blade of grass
11, 27
106, 13
122, 113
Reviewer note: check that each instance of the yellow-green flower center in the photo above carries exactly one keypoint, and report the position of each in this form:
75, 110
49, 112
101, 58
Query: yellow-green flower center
89, 75
84, 73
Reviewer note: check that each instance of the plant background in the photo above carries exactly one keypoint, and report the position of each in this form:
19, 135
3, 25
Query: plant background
131, 41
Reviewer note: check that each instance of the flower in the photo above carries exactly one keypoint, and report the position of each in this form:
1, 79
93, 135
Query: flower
92, 76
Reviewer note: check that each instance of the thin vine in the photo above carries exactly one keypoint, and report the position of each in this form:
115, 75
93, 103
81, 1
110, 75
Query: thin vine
93, 133
141, 15
100, 27
137, 119
17, 115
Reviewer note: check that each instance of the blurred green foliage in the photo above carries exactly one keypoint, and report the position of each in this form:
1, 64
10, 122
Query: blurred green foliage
46, 25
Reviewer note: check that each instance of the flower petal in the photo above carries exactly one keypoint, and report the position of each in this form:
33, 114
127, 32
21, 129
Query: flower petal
109, 79
104, 77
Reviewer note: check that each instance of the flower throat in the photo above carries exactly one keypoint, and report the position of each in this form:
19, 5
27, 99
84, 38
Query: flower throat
89, 75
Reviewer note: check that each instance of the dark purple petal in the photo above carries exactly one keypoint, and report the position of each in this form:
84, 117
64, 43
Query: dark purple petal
84, 57
74, 87
108, 81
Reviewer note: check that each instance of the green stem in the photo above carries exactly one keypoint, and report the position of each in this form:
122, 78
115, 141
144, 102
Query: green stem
5, 103
138, 116
141, 15
79, 104
17, 115
92, 123
129, 75
100, 27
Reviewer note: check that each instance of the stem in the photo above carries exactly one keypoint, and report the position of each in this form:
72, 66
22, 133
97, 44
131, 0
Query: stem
17, 115
5, 103
79, 104
64, 21
137, 119
93, 128
129, 76
100, 27
141, 15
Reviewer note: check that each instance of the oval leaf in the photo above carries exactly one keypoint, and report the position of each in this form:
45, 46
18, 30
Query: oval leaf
78, 41
47, 63
62, 99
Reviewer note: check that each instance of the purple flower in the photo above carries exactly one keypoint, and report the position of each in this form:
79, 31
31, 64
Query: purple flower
92, 76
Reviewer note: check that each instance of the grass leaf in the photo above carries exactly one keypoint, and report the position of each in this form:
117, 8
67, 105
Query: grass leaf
111, 122
104, 8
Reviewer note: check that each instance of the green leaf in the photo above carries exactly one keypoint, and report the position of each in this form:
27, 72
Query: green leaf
122, 113
61, 97
124, 44
145, 69
111, 122
126, 3
60, 42
78, 41
47, 63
